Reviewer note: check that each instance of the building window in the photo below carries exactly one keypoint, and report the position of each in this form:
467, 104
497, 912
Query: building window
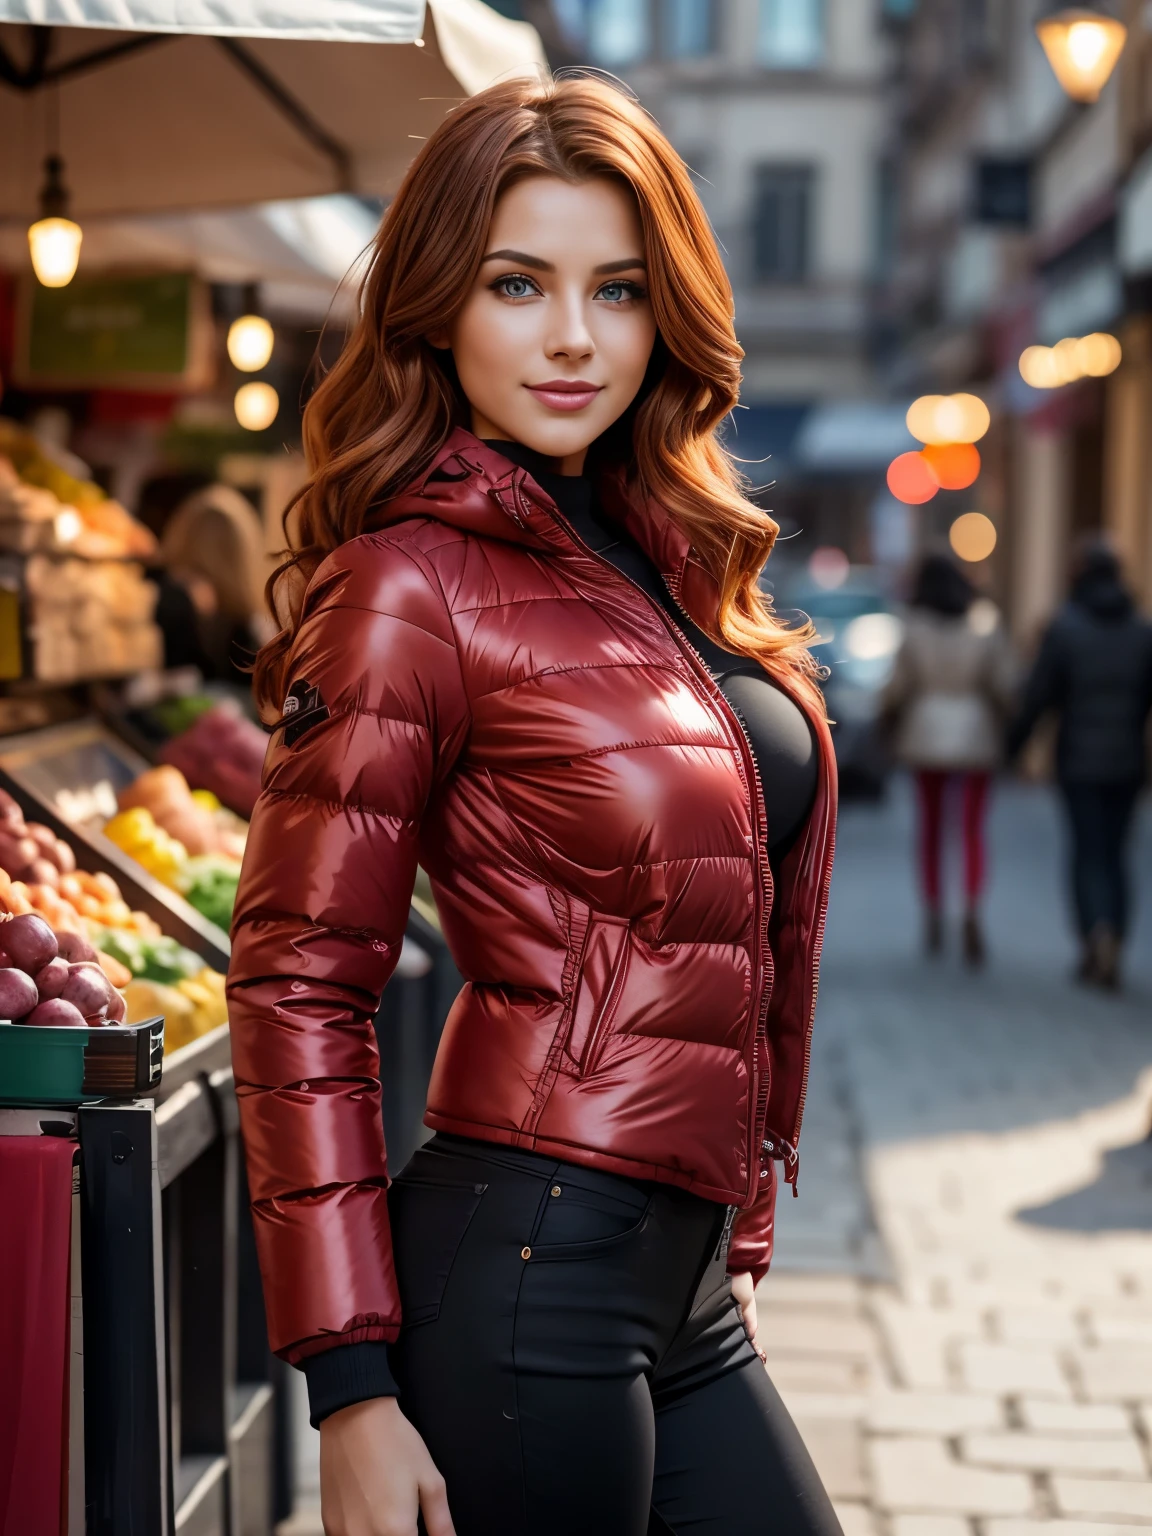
791, 34
782, 223
886, 215
1003, 191
689, 28
614, 33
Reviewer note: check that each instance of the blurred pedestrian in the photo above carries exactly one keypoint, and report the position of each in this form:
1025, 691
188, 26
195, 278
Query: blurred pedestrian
212, 550
946, 701
1094, 669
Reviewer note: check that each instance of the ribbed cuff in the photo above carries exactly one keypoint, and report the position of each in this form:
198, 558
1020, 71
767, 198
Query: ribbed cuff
350, 1373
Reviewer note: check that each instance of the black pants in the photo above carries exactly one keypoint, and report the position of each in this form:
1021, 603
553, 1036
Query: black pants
574, 1358
1100, 816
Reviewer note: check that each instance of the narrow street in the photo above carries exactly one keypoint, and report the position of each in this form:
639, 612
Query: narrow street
960, 1314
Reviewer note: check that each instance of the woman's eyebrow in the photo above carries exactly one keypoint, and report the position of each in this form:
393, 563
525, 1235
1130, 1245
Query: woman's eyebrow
626, 264
522, 257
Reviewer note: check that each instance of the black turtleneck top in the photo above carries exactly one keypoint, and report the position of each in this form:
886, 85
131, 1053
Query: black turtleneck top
781, 738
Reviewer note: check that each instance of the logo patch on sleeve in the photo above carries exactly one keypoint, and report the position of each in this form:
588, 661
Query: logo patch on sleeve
303, 708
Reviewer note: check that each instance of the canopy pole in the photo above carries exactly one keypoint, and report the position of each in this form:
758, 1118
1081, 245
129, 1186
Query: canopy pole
294, 110
40, 73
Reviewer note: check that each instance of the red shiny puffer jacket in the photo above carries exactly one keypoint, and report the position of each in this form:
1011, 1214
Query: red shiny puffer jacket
473, 689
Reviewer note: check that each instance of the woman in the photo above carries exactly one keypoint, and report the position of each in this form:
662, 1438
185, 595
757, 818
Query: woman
506, 668
212, 551
947, 696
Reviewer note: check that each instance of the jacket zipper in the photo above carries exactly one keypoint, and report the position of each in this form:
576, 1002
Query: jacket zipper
755, 790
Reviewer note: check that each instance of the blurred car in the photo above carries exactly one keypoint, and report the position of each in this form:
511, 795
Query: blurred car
859, 636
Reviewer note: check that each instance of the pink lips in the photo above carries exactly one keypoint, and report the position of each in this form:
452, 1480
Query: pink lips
566, 394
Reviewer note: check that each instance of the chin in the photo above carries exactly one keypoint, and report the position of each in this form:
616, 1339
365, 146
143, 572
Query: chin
558, 440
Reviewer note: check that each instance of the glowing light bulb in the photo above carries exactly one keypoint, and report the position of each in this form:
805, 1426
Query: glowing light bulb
941, 419
1082, 48
250, 341
256, 406
55, 248
972, 537
1086, 44
1038, 367
911, 479
1098, 354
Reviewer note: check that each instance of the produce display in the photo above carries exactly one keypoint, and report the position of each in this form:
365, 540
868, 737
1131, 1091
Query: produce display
221, 750
53, 979
42, 507
183, 837
89, 607
58, 923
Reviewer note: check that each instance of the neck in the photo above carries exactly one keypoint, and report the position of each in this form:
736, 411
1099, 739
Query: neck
566, 464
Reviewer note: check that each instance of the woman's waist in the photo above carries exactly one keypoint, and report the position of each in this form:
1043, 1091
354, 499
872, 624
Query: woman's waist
449, 1149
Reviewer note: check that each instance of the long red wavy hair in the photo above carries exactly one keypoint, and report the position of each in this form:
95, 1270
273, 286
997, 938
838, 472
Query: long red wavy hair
377, 419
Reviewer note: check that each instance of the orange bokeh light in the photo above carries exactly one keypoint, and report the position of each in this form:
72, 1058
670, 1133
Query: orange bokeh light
912, 479
955, 465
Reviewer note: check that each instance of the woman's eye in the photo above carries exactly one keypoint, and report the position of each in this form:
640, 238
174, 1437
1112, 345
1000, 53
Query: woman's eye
620, 292
515, 287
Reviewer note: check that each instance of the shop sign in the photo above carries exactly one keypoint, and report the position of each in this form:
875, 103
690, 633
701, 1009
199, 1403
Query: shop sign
120, 331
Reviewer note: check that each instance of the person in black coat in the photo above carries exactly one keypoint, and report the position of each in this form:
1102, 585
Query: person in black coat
1095, 668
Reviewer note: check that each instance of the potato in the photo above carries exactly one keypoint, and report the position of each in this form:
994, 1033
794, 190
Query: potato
117, 1009
88, 988
18, 994
43, 872
56, 1013
16, 853
73, 948
29, 941
43, 837
65, 858
50, 979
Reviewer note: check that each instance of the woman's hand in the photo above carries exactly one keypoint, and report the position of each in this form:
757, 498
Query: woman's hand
745, 1293
376, 1474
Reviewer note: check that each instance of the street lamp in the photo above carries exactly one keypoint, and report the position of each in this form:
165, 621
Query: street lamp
1082, 48
250, 341
54, 239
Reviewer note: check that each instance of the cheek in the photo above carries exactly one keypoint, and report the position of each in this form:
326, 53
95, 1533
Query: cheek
487, 343
627, 341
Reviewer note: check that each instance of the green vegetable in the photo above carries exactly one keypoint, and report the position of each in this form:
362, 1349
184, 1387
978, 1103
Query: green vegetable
175, 716
159, 959
209, 884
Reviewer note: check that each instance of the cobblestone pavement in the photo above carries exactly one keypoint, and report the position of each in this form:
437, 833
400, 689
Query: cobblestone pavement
960, 1315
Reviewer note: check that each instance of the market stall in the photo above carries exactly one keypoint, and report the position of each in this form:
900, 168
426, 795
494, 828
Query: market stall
124, 792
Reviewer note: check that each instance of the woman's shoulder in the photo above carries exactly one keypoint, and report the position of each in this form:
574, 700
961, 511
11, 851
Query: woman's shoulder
378, 565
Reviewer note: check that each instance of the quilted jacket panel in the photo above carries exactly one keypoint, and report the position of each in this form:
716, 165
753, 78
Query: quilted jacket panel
501, 705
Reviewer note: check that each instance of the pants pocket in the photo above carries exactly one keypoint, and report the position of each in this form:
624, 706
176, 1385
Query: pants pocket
429, 1221
578, 1222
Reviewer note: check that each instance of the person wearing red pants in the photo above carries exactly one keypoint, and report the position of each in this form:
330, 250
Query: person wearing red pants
950, 689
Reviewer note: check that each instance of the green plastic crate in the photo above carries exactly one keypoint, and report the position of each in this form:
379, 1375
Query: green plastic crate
59, 1067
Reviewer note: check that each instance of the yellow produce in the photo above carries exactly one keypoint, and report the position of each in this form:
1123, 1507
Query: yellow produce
137, 833
146, 999
206, 994
131, 829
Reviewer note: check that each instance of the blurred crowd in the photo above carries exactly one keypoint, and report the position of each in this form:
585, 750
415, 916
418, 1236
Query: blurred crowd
958, 708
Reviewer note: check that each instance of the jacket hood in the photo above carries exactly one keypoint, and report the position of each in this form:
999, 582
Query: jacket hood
1099, 590
471, 486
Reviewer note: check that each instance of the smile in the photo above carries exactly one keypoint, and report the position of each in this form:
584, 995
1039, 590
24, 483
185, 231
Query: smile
565, 394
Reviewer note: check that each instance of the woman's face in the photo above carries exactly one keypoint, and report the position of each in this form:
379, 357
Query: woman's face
554, 338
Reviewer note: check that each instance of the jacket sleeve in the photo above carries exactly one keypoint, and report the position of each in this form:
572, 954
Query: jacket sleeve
1043, 690
378, 715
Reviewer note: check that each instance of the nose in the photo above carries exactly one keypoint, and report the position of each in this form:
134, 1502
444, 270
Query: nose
568, 337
